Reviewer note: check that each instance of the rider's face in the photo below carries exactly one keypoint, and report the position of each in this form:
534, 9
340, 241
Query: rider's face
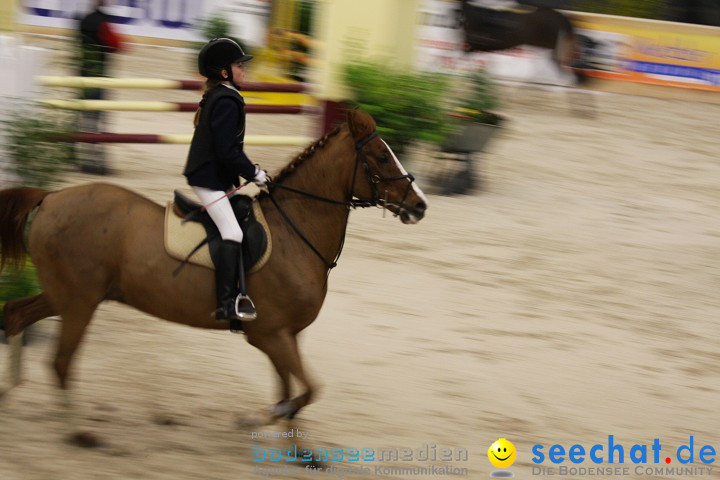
238, 71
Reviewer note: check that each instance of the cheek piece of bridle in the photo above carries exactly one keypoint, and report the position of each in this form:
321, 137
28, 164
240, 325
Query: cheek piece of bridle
373, 181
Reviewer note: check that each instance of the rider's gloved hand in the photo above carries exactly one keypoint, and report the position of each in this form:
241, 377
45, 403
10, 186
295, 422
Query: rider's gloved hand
260, 177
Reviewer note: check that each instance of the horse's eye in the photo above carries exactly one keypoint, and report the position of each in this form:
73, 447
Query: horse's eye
383, 158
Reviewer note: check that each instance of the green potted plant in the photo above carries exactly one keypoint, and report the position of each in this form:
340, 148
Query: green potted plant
474, 124
32, 143
406, 106
474, 121
410, 107
217, 25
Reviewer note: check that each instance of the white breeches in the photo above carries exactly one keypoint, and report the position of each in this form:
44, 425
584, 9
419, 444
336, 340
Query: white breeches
221, 213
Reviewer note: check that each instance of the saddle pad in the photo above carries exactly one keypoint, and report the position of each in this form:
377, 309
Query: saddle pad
181, 238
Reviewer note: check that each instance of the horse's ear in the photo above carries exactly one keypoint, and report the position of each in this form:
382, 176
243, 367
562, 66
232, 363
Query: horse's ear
361, 124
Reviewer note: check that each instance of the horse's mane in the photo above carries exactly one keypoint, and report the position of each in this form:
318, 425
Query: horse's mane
307, 153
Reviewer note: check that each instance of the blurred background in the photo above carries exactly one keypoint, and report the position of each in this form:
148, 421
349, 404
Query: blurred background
562, 287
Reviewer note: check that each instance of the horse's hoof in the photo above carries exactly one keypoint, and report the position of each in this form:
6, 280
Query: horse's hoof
315, 465
251, 421
284, 409
86, 440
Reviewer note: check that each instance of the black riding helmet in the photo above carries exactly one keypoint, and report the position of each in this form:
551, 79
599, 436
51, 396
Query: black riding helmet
220, 53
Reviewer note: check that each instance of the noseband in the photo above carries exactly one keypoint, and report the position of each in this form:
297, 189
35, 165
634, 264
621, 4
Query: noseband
373, 181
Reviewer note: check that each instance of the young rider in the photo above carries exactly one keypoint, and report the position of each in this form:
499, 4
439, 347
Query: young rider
215, 161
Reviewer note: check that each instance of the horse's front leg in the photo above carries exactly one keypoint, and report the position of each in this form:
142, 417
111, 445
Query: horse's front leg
282, 349
298, 371
285, 388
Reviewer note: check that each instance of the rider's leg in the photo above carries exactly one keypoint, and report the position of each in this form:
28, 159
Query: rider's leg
229, 272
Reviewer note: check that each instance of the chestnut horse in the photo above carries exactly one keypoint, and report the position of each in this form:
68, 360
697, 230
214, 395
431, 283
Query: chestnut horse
100, 242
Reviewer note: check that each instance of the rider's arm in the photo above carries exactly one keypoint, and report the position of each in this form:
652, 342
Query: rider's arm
226, 116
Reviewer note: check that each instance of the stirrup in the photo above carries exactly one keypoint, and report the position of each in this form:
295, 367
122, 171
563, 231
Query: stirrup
245, 316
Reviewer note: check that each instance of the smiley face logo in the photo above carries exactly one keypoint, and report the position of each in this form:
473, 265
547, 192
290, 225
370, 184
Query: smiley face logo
501, 453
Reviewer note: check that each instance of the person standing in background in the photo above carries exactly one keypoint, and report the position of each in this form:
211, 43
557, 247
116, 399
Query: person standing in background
97, 40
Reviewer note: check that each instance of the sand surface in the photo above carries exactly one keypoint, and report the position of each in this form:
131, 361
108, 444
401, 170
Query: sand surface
573, 297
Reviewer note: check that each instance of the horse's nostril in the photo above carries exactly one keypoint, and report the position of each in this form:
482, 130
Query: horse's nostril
420, 207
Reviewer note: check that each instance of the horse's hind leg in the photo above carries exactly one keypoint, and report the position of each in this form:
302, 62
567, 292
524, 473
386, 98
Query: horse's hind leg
13, 368
20, 314
75, 320
23, 312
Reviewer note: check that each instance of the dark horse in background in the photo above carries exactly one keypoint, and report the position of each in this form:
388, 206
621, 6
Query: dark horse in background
490, 29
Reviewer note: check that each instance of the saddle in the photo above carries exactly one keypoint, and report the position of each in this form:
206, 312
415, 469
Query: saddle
191, 235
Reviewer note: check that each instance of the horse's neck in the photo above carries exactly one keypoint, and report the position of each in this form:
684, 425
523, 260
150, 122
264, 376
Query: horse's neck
327, 174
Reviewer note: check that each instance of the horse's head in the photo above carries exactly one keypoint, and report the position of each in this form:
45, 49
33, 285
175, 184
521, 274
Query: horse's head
379, 177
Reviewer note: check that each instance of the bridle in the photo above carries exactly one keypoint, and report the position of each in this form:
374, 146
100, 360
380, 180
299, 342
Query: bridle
374, 179
351, 202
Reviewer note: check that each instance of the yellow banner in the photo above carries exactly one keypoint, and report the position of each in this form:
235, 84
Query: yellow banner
662, 53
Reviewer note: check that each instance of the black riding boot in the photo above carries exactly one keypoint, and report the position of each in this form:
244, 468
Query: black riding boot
232, 303
245, 307
226, 280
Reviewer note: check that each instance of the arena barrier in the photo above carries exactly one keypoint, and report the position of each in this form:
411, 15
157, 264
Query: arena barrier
152, 106
266, 98
159, 84
254, 140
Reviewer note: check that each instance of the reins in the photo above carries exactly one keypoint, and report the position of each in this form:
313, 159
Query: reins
348, 203
351, 203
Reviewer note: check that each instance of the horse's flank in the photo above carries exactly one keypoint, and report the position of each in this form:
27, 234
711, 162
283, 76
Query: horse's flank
77, 227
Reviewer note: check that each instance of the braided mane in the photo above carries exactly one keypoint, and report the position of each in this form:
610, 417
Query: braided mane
307, 153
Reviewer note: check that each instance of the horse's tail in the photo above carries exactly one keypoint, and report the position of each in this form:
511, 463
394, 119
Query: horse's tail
16, 204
